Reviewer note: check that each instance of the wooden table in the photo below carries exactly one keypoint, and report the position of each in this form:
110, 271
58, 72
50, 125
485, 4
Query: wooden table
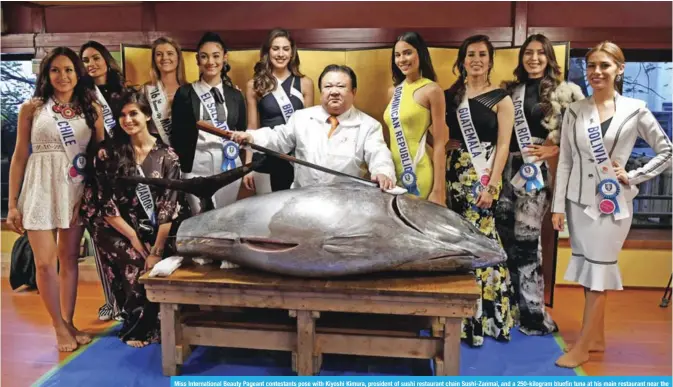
439, 300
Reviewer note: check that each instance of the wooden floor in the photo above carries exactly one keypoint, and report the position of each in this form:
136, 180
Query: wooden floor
638, 332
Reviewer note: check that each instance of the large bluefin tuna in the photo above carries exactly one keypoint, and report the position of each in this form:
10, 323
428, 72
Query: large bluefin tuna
337, 230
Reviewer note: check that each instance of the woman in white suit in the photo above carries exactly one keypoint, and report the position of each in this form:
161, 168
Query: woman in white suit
595, 192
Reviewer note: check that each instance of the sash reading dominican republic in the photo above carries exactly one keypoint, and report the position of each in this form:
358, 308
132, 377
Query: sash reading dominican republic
530, 174
482, 165
74, 172
609, 198
284, 101
229, 148
145, 196
108, 117
408, 177
160, 117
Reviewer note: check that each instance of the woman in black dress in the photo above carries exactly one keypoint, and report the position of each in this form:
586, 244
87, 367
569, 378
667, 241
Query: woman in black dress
277, 90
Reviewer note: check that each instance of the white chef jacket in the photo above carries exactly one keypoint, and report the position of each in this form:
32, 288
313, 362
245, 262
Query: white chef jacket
357, 141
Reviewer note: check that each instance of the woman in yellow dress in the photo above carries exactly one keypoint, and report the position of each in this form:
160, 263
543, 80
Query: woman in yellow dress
416, 109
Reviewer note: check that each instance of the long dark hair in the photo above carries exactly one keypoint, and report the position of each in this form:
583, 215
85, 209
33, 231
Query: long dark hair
458, 87
83, 96
121, 147
114, 79
212, 37
551, 77
424, 61
263, 80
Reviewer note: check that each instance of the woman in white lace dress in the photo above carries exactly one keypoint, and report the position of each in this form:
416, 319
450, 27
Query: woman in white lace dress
45, 187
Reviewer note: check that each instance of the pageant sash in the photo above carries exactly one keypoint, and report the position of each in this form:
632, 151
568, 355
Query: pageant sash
145, 196
160, 117
481, 164
284, 101
75, 171
229, 148
108, 117
530, 173
408, 177
609, 198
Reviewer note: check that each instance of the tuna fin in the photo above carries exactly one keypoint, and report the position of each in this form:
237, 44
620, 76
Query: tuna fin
203, 187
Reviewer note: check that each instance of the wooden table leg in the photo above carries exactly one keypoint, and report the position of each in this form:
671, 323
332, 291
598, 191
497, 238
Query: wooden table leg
306, 364
452, 330
170, 337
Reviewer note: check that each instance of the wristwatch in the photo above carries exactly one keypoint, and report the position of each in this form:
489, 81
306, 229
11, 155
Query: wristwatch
493, 190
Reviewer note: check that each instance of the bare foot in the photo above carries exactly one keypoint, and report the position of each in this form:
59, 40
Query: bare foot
65, 340
137, 343
81, 337
596, 346
572, 359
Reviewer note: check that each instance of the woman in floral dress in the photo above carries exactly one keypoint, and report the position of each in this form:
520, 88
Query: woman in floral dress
135, 236
480, 119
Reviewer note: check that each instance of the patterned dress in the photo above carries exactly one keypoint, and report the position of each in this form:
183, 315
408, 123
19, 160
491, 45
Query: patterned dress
494, 315
122, 264
519, 216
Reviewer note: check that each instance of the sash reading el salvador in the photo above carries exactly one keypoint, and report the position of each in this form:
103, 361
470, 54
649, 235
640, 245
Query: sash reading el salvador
229, 147
159, 103
145, 196
610, 198
474, 147
529, 174
75, 172
409, 175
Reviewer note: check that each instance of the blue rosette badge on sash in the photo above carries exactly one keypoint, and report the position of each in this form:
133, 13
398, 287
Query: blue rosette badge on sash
408, 178
530, 174
608, 189
231, 152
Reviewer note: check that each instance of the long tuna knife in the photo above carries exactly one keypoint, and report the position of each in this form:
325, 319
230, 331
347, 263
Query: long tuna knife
206, 127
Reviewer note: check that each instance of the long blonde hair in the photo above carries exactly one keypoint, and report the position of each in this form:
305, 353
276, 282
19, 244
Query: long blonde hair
155, 74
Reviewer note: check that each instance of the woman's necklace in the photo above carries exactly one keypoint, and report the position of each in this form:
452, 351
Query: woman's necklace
67, 110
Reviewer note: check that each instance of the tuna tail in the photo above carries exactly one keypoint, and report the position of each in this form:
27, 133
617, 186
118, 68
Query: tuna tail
202, 187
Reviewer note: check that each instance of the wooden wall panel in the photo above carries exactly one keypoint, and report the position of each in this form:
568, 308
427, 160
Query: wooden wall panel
17, 17
307, 15
100, 18
599, 14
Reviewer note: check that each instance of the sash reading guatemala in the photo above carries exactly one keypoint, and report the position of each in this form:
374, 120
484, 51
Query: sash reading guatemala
477, 152
229, 148
530, 174
284, 101
75, 172
108, 118
609, 198
408, 177
160, 117
145, 196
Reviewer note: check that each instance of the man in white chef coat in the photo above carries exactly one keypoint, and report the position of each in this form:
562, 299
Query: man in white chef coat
333, 134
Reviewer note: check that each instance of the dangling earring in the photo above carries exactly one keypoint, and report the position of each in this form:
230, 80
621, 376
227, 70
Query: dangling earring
618, 78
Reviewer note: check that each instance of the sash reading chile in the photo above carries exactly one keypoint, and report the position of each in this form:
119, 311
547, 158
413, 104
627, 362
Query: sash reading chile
474, 147
530, 175
609, 198
408, 176
75, 172
230, 149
